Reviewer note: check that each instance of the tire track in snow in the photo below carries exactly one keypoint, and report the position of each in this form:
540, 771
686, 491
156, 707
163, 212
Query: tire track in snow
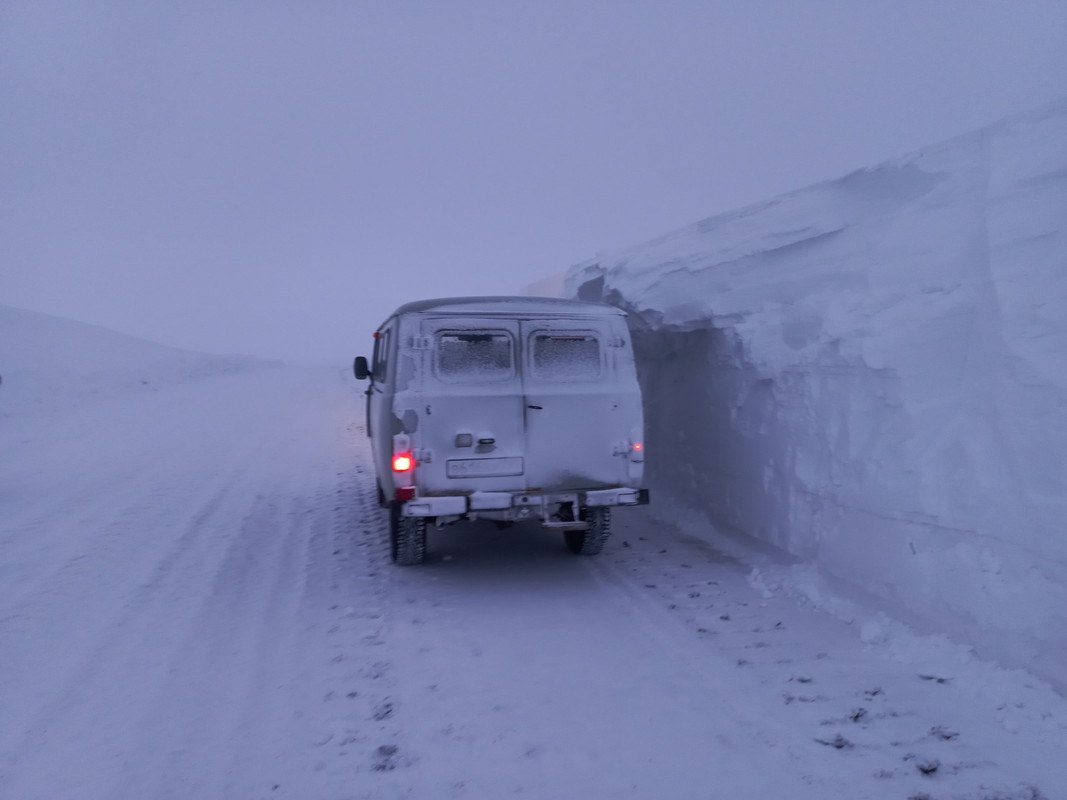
301, 665
51, 637
73, 469
235, 667
359, 744
140, 695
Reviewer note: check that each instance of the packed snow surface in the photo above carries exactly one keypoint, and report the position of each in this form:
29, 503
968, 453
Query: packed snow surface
871, 374
196, 601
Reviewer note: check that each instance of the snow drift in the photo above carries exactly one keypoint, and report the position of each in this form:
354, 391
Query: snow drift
48, 362
871, 374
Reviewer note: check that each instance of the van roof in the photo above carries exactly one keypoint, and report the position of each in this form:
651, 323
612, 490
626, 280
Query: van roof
507, 306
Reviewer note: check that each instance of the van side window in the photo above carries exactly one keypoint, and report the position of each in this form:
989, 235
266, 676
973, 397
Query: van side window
569, 356
381, 355
473, 355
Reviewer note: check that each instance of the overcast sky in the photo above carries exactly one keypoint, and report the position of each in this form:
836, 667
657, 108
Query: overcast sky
275, 177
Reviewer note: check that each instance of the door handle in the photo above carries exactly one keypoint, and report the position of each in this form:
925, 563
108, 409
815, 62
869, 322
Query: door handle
537, 407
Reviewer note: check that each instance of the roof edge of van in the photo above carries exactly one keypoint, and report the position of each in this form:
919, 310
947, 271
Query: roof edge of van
507, 305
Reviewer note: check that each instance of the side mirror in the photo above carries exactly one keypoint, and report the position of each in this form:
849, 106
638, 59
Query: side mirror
360, 368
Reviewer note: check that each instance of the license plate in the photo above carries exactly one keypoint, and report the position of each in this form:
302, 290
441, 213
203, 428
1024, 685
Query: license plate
483, 467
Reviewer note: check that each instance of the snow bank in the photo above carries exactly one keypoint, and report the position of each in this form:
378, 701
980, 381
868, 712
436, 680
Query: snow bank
871, 374
48, 362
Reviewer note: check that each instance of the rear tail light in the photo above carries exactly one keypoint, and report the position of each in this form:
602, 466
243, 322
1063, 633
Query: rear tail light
637, 446
403, 464
403, 454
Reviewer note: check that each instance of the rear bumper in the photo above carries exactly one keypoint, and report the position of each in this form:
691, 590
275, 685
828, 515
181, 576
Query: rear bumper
435, 507
518, 504
617, 497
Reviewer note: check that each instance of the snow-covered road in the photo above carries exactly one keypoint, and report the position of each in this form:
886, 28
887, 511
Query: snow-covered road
196, 602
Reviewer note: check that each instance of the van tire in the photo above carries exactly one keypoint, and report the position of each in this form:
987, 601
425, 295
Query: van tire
407, 537
590, 541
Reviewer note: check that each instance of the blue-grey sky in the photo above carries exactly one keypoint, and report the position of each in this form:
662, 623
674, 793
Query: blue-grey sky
274, 177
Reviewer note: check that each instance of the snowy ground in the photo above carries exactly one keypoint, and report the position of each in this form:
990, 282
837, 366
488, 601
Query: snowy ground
196, 602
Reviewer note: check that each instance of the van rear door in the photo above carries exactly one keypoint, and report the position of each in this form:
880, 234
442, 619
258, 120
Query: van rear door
576, 418
472, 428
530, 405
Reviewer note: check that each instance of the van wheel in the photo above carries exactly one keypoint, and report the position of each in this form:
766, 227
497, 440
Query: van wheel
407, 537
590, 541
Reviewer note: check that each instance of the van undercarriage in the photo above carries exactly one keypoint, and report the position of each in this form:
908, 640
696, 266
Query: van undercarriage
556, 509
583, 517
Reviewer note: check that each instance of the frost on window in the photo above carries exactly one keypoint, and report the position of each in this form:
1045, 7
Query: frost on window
569, 356
380, 361
470, 356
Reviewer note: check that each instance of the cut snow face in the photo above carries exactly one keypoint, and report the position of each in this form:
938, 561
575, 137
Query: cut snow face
871, 374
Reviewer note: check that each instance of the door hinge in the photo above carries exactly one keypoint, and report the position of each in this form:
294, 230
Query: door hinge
616, 341
421, 342
423, 455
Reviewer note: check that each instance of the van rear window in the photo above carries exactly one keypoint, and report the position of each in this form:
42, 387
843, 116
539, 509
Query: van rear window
474, 355
566, 356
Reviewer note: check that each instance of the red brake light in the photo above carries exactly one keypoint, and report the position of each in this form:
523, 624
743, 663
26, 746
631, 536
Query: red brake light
401, 462
638, 446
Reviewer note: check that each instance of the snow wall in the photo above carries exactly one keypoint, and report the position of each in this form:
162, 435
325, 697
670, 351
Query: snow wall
871, 374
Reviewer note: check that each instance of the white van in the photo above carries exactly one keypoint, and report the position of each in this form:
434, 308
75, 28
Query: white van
506, 409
